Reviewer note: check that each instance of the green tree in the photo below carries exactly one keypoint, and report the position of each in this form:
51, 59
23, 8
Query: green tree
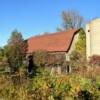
78, 55
80, 45
15, 50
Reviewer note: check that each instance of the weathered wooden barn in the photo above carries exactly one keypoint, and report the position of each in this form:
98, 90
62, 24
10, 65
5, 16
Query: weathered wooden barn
59, 43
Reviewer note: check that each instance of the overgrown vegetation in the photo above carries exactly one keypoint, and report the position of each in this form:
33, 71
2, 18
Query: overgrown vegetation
46, 87
13, 53
78, 55
83, 83
95, 60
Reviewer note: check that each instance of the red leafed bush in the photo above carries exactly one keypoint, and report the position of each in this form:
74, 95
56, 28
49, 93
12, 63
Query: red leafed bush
95, 60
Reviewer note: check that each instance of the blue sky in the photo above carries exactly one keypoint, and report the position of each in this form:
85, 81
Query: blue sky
32, 17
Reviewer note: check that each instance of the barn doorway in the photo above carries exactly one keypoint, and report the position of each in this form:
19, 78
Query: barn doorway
31, 65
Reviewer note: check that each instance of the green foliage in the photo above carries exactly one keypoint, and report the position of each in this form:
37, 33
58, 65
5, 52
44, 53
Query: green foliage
39, 58
71, 87
42, 58
2, 52
15, 50
80, 46
78, 55
4, 65
43, 71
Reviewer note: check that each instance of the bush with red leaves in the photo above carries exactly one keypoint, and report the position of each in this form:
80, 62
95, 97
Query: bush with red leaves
95, 60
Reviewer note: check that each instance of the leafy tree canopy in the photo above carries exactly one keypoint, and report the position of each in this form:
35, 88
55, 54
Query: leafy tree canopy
15, 50
79, 52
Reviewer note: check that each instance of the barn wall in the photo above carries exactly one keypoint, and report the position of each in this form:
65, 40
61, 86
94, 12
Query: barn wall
72, 47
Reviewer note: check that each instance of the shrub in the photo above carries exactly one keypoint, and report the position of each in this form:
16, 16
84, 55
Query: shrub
39, 58
95, 60
43, 58
44, 72
4, 65
84, 95
78, 63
